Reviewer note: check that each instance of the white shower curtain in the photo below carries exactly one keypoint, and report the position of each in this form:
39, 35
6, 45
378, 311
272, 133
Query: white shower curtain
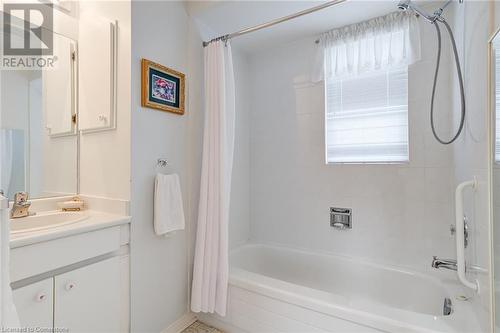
8, 314
211, 267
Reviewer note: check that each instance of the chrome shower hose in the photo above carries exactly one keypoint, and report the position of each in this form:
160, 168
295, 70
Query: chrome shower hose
460, 81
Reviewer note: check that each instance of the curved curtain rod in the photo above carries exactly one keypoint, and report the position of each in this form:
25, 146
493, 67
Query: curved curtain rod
274, 22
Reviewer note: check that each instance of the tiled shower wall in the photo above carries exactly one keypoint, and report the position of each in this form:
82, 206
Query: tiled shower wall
401, 212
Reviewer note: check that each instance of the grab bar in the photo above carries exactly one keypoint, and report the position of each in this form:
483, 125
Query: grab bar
460, 241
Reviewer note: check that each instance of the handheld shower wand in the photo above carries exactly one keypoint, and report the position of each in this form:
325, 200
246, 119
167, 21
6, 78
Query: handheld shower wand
435, 19
404, 5
408, 5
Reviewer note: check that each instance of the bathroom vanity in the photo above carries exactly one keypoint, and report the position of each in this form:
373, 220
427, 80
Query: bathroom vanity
73, 274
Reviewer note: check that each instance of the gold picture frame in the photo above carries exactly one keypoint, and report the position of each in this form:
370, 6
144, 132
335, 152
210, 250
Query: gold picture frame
162, 88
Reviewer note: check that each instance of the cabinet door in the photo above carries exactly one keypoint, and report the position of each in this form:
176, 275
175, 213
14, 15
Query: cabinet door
88, 299
97, 73
34, 304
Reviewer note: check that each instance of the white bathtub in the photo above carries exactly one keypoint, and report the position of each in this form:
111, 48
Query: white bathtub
278, 289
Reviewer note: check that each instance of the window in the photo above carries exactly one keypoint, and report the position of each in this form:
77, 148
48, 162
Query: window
365, 70
367, 117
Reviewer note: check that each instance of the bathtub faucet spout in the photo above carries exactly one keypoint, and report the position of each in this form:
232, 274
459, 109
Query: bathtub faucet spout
444, 263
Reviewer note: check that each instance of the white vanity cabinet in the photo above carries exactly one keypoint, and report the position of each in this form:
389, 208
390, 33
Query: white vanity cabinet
86, 299
34, 304
75, 277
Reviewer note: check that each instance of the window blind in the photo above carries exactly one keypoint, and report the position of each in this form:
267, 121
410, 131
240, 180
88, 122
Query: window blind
367, 117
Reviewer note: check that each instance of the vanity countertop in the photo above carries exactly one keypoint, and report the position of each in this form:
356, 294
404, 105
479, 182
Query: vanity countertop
96, 220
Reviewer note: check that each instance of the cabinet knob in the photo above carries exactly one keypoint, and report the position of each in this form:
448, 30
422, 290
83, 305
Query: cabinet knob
70, 286
41, 297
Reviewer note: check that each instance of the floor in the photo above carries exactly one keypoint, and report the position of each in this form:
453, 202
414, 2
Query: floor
199, 327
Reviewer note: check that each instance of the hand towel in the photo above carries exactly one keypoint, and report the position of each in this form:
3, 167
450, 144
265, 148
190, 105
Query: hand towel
168, 207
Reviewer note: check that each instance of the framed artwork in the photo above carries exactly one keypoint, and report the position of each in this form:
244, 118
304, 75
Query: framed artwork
162, 87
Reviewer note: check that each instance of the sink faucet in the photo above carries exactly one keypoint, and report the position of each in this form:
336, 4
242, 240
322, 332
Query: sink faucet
444, 263
21, 205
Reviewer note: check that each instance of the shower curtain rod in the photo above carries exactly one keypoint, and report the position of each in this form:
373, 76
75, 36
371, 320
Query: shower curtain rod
274, 22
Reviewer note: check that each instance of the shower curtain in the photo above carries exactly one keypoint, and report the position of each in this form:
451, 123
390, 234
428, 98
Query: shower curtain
8, 313
211, 267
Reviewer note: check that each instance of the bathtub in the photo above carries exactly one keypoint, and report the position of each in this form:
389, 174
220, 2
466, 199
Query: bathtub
279, 289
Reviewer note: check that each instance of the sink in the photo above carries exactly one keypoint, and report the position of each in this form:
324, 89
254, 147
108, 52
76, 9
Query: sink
46, 220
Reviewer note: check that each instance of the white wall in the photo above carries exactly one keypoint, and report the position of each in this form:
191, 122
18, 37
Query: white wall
162, 32
36, 128
401, 213
239, 215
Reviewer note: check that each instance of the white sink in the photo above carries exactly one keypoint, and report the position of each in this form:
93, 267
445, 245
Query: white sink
46, 220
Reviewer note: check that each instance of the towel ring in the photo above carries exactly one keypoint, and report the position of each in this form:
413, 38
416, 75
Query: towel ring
162, 162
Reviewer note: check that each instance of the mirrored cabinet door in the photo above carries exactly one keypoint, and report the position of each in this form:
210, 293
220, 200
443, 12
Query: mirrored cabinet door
38, 130
43, 111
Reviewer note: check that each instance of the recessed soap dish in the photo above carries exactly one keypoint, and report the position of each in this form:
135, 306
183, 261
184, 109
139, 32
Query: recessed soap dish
341, 218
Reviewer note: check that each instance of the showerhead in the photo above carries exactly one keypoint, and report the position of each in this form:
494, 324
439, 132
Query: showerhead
404, 4
408, 5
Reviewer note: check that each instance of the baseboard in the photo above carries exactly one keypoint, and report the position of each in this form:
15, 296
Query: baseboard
223, 326
180, 324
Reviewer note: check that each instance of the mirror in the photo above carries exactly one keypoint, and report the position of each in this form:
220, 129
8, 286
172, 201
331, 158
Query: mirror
494, 102
38, 131
45, 111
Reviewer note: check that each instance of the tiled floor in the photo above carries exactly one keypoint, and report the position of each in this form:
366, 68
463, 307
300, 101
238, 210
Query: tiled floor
199, 327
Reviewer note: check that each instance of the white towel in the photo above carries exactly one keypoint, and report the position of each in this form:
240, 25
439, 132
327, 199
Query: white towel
168, 208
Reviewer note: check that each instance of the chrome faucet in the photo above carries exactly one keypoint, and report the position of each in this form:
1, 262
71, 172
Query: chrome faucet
444, 263
21, 205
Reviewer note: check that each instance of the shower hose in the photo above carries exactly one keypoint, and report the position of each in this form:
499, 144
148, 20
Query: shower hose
460, 81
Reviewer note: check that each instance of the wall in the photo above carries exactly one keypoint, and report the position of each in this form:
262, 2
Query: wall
159, 265
401, 212
36, 128
239, 215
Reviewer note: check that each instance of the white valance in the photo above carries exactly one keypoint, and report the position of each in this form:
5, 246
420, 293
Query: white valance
389, 41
